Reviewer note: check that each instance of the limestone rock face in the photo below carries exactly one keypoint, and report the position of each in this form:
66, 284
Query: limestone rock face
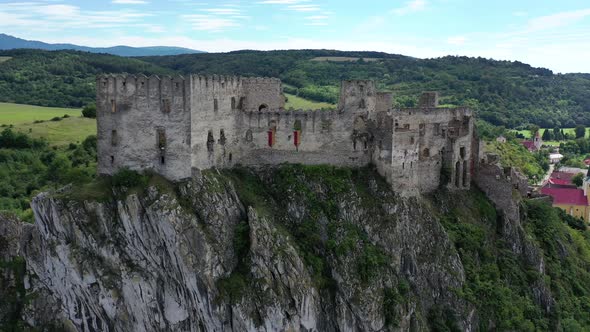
208, 256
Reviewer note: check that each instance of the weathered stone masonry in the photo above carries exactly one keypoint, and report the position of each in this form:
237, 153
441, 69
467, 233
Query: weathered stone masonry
176, 126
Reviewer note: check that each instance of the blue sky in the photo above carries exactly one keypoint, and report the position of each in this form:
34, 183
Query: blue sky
548, 33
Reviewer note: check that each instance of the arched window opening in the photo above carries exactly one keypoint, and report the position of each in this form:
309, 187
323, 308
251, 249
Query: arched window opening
354, 144
230, 157
412, 140
362, 104
262, 107
426, 152
215, 105
210, 141
233, 103
112, 160
365, 144
222, 137
113, 106
162, 160
249, 137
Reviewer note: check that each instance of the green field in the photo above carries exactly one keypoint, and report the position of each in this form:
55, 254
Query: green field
67, 130
571, 131
300, 103
16, 114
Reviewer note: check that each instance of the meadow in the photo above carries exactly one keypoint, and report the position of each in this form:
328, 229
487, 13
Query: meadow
571, 131
305, 104
42, 122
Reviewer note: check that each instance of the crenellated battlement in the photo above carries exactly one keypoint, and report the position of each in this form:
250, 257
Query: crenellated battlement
177, 125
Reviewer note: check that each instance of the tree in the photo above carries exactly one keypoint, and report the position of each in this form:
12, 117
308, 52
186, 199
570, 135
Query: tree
89, 111
578, 179
557, 134
547, 135
580, 131
534, 129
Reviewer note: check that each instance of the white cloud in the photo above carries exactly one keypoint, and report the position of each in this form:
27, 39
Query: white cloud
209, 23
411, 7
223, 11
557, 20
56, 17
304, 8
282, 2
457, 40
129, 2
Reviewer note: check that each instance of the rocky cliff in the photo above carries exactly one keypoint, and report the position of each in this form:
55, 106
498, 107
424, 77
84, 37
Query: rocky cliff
289, 248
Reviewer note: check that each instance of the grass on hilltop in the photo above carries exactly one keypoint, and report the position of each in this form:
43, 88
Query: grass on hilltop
37, 121
5, 58
300, 103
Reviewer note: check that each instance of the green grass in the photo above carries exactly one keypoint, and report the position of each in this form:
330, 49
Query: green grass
300, 103
68, 130
571, 131
5, 58
16, 114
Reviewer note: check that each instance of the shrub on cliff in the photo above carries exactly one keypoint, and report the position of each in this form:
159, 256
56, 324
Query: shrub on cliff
128, 179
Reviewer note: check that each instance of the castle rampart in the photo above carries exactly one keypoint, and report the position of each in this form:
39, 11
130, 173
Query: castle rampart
177, 125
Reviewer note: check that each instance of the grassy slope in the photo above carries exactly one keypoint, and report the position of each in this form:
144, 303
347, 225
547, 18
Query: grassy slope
74, 129
17, 114
300, 103
67, 130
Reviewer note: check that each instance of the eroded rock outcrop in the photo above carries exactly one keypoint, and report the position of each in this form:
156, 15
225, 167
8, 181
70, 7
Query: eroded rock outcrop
268, 250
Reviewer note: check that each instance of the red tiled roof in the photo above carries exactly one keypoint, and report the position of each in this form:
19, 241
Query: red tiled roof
566, 196
560, 181
562, 176
529, 145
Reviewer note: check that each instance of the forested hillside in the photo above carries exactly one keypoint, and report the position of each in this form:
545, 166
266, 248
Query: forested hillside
60, 78
504, 93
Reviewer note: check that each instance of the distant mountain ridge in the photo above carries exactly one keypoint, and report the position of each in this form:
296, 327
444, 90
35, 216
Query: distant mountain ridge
8, 42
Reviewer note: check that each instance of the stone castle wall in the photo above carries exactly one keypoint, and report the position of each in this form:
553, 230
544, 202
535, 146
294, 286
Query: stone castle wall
136, 116
176, 126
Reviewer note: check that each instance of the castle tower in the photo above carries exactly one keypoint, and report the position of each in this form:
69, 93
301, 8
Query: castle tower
357, 96
214, 103
537, 141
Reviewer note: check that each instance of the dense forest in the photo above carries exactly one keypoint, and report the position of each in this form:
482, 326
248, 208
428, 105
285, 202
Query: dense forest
504, 93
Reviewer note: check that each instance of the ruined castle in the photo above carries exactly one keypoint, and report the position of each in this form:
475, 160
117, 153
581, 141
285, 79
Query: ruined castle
177, 126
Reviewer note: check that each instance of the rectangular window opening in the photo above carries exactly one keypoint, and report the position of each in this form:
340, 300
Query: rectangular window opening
113, 106
114, 138
166, 105
215, 105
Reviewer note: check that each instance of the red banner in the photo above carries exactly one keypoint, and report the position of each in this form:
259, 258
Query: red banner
270, 138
